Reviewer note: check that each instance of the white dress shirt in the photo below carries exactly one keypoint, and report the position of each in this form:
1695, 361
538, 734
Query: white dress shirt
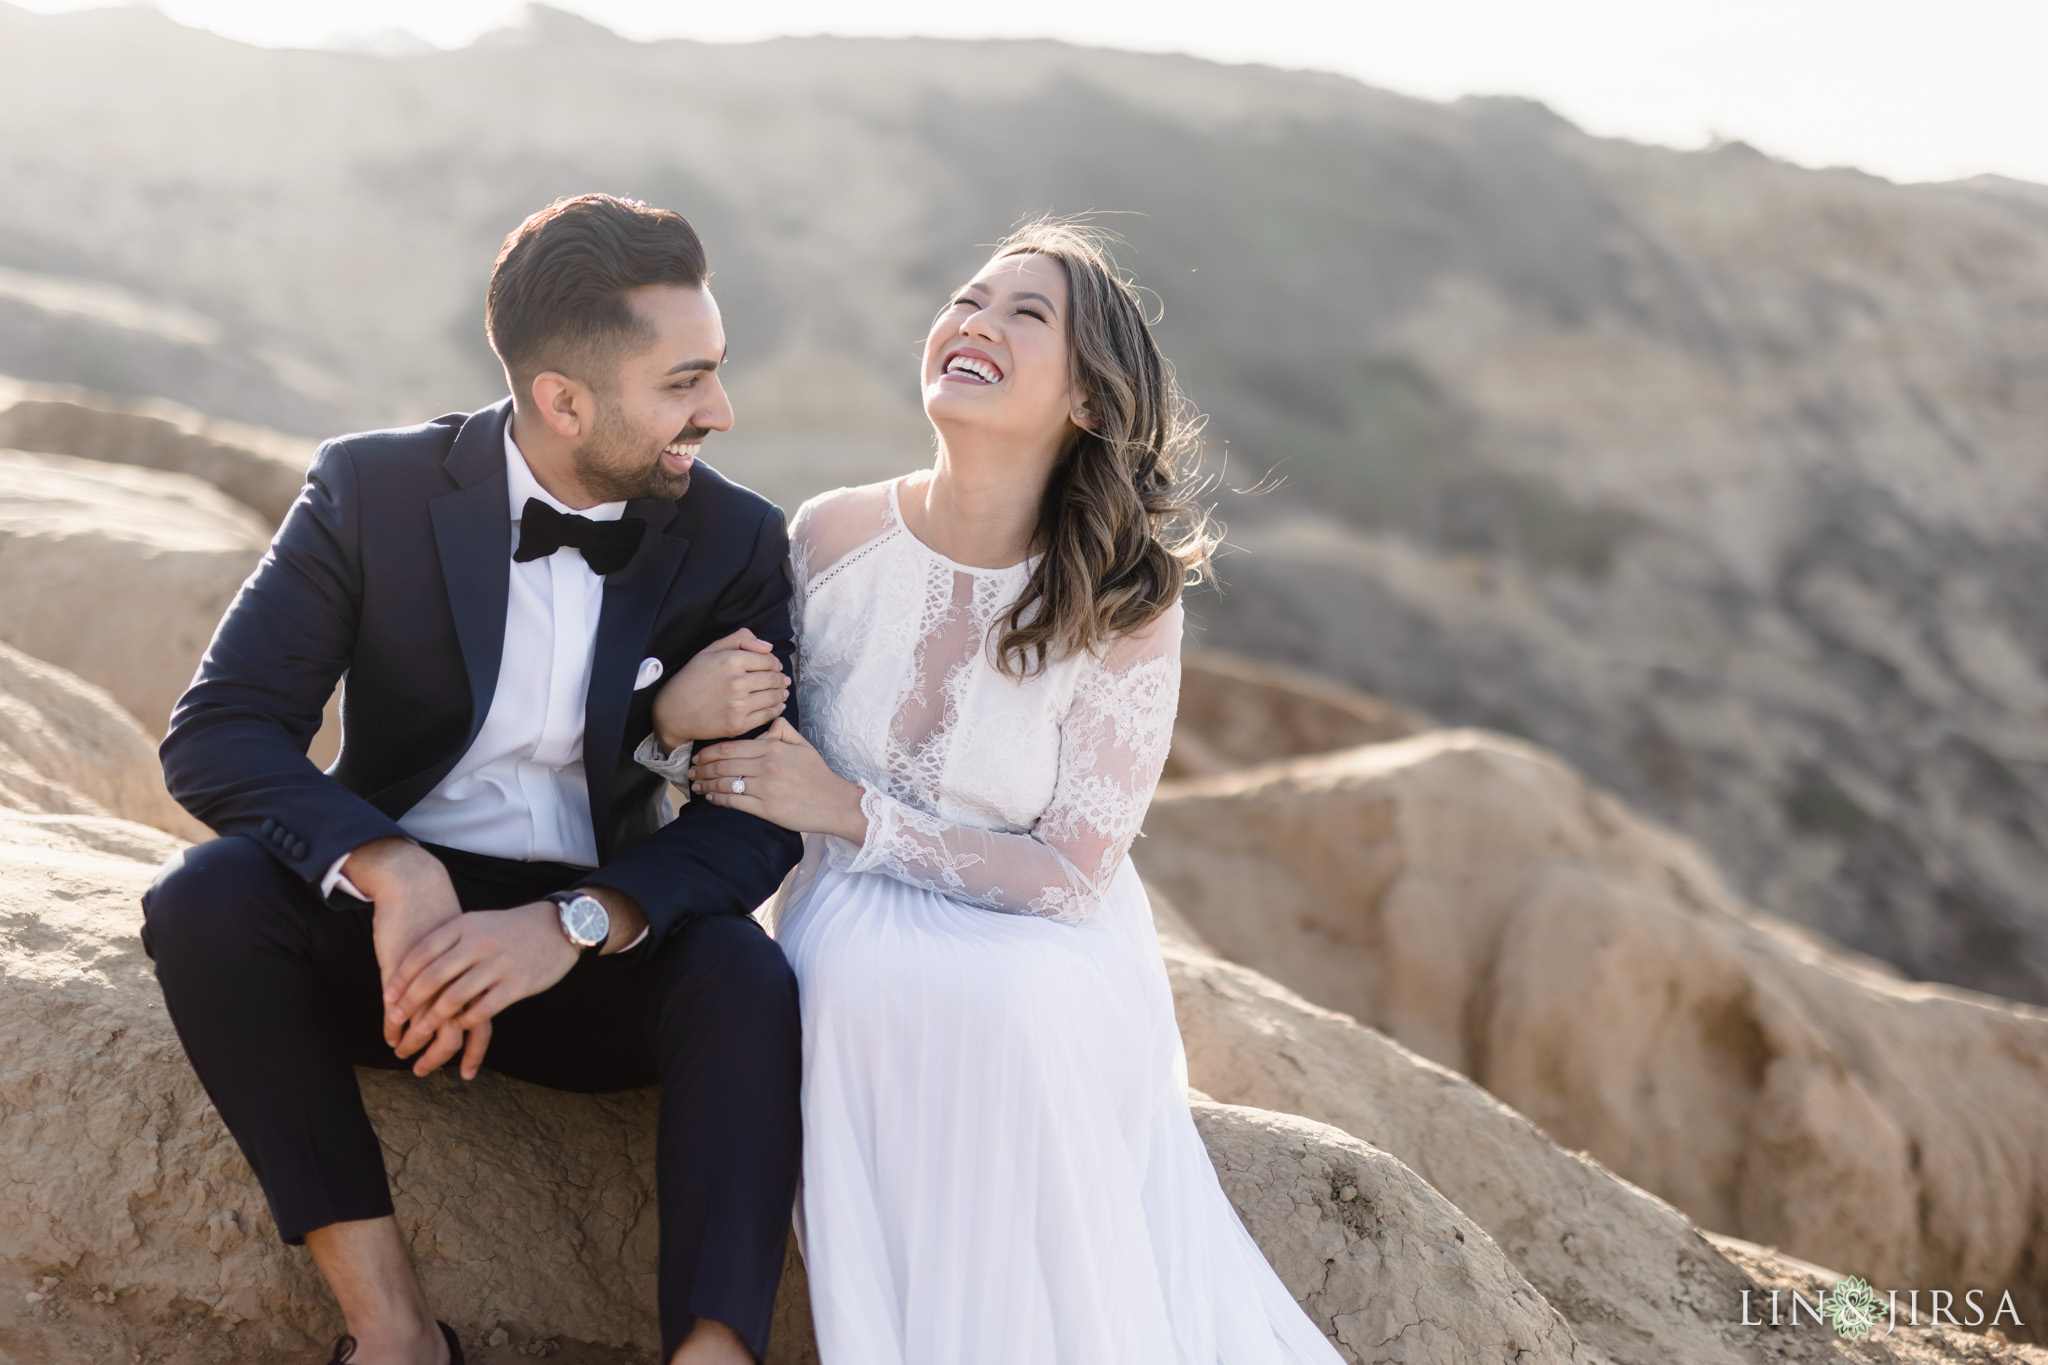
518, 792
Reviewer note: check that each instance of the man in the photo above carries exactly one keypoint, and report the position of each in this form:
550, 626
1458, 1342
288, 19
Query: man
486, 871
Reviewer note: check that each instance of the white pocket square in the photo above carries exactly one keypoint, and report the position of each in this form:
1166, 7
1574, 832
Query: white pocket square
650, 673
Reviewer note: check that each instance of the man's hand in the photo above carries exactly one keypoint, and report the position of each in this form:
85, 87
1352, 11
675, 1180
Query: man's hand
733, 685
461, 974
411, 894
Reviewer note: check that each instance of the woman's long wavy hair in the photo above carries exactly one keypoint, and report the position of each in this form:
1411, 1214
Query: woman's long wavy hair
1122, 528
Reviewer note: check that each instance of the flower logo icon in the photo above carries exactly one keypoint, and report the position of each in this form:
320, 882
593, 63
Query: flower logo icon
1853, 1308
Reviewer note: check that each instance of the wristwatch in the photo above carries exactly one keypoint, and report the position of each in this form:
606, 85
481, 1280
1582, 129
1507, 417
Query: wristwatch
584, 919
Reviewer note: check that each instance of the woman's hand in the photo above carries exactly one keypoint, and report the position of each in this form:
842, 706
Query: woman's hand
733, 685
783, 780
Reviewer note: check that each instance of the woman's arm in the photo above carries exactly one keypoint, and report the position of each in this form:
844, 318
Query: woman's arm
1112, 748
731, 686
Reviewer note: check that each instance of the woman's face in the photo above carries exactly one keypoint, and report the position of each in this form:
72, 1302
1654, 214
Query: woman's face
996, 361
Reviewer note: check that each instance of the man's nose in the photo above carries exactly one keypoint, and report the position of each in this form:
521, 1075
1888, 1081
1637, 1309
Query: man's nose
716, 414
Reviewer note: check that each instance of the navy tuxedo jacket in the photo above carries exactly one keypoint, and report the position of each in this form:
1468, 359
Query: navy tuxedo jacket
391, 573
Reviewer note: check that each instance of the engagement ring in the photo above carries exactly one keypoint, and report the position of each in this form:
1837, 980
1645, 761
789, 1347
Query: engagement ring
739, 786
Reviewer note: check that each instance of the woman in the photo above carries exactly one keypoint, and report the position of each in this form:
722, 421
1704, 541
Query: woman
999, 1161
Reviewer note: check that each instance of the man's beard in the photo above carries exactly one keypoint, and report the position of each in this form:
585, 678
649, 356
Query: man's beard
611, 463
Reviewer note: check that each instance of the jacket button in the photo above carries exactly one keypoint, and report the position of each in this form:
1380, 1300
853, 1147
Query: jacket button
298, 850
269, 825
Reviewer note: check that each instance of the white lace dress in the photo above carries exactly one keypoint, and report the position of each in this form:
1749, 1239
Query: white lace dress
999, 1163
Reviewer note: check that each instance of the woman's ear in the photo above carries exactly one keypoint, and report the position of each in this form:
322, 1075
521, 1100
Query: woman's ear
1079, 416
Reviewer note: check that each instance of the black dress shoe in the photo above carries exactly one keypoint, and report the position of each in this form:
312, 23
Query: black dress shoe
345, 1349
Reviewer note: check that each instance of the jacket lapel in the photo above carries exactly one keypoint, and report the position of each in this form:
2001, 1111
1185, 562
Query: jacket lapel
632, 599
473, 534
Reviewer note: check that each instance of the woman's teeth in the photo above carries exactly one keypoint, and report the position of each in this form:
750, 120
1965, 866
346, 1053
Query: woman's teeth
974, 369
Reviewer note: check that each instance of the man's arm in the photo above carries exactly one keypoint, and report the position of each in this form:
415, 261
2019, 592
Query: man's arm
442, 995
235, 755
708, 860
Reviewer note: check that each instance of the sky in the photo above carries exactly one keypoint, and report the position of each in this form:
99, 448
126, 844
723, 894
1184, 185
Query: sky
1907, 89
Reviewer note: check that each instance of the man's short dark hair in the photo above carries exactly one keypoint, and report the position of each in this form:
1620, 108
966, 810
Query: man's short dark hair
558, 292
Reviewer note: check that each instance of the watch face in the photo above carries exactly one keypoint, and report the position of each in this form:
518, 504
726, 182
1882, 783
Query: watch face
586, 921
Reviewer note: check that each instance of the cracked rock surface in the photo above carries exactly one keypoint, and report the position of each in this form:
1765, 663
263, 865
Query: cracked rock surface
1489, 908
1632, 1275
1386, 1266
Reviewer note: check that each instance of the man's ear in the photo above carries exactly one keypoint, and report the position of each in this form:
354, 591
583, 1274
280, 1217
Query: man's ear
563, 403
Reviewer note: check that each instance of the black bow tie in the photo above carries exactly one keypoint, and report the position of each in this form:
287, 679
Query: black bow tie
607, 546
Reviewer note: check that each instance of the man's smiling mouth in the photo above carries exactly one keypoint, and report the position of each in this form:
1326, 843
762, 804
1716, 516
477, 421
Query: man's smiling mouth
685, 446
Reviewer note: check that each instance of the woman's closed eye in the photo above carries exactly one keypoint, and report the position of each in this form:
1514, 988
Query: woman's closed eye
1027, 310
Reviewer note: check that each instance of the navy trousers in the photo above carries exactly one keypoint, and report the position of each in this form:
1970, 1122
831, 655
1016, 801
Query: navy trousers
276, 997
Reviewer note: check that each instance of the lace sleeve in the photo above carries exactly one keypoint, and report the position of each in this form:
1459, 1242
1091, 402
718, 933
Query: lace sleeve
1112, 747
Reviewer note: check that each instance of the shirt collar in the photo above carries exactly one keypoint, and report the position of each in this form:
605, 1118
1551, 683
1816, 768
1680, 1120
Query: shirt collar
521, 485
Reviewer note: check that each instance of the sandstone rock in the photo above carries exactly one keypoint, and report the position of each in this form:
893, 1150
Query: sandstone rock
1236, 712
1629, 1272
260, 469
1493, 911
66, 748
119, 574
1387, 1267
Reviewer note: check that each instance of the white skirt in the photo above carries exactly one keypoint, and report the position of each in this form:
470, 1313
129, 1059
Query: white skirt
999, 1162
